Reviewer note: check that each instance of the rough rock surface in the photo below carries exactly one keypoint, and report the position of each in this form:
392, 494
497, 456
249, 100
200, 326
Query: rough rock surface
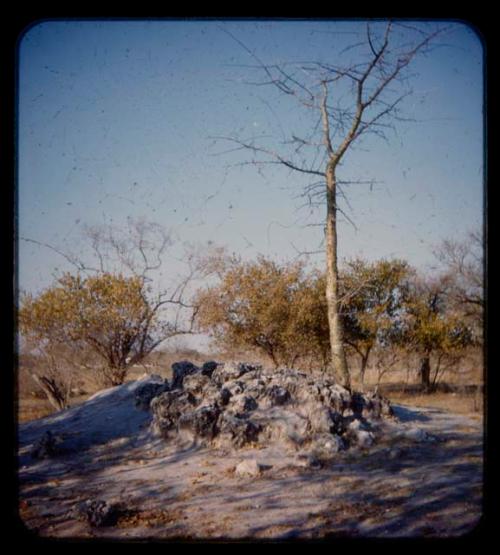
249, 467
146, 393
235, 404
97, 512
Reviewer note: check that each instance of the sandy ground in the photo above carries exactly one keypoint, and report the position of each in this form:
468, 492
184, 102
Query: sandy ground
399, 487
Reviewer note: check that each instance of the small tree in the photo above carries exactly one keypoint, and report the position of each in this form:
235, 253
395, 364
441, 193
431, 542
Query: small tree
112, 305
252, 307
371, 303
110, 314
51, 367
462, 263
433, 329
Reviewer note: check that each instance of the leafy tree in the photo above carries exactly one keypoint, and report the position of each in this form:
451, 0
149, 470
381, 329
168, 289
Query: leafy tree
371, 305
273, 308
110, 314
309, 327
432, 328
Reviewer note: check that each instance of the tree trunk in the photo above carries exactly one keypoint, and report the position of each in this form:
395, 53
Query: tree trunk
425, 372
338, 357
53, 392
362, 368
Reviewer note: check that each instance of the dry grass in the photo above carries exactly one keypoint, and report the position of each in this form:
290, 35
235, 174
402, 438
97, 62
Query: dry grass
32, 409
471, 405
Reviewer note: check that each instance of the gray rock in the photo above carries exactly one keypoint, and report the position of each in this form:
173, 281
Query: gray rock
358, 433
308, 460
208, 368
97, 512
418, 435
146, 393
239, 431
364, 439
278, 395
324, 447
196, 383
167, 408
233, 404
243, 403
199, 424
338, 423
248, 467
224, 397
180, 370
232, 371
282, 425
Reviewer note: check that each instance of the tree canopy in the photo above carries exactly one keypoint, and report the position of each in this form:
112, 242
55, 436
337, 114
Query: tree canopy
109, 313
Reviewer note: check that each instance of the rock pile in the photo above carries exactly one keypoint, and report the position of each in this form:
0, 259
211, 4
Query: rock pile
236, 404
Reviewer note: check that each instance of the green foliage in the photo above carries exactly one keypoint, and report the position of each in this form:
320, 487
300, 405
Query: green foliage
372, 296
433, 327
262, 305
281, 311
432, 324
107, 312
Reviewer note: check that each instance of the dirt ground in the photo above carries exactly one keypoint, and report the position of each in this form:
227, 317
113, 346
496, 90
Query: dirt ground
399, 487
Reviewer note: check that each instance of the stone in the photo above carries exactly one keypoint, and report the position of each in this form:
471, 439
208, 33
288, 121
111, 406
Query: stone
180, 370
308, 460
97, 512
358, 403
243, 403
224, 397
146, 393
199, 424
278, 395
282, 425
338, 423
167, 408
231, 371
364, 439
325, 446
418, 435
196, 383
380, 406
208, 368
239, 431
234, 404
248, 467
358, 433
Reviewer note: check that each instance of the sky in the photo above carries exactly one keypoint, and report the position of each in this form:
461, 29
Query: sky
118, 119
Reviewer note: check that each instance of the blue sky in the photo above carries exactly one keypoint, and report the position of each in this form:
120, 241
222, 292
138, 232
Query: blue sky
117, 119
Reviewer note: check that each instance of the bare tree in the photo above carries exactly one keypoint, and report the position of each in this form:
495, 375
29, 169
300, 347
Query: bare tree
139, 249
462, 263
122, 330
345, 102
55, 367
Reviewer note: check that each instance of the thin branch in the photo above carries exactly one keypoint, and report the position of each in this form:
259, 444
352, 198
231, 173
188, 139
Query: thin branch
73, 261
278, 158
